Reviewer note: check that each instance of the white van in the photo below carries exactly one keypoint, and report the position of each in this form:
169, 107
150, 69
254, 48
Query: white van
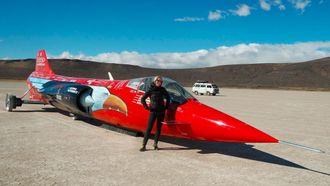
205, 88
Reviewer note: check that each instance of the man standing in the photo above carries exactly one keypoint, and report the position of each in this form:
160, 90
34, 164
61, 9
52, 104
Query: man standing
157, 108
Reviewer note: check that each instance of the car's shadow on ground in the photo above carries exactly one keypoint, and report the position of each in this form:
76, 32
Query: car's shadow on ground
47, 109
239, 150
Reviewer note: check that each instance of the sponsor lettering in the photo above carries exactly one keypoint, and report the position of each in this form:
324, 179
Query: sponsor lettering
59, 97
73, 90
41, 61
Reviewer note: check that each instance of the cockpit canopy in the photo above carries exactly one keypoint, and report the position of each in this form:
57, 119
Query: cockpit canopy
177, 93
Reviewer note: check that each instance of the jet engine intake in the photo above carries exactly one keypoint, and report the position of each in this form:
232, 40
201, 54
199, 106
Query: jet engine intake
71, 97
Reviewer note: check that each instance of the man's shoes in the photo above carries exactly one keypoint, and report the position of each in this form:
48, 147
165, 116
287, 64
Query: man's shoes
143, 148
156, 147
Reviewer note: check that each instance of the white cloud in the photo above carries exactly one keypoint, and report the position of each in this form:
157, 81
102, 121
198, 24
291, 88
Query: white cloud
216, 15
242, 10
245, 10
222, 55
279, 4
300, 4
189, 19
66, 55
265, 5
281, 7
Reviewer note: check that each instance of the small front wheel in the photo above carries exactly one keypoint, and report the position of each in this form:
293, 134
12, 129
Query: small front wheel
74, 116
10, 102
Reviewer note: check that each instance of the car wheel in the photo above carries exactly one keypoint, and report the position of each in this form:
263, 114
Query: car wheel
208, 93
196, 93
10, 102
74, 116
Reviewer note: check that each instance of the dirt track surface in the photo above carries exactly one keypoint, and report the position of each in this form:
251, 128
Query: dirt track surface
40, 146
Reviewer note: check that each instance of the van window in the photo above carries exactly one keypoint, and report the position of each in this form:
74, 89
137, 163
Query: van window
202, 85
197, 86
209, 86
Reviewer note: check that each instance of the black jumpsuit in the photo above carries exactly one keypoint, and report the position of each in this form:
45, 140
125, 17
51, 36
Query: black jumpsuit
157, 110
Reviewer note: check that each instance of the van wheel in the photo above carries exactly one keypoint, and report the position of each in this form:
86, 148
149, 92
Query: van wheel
208, 93
214, 94
196, 93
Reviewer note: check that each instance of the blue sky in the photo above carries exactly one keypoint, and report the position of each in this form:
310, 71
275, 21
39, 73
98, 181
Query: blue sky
117, 31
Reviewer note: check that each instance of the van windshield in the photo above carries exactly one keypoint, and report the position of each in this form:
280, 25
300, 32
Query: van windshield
178, 94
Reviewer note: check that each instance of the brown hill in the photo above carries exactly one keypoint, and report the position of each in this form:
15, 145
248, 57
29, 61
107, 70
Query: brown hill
314, 75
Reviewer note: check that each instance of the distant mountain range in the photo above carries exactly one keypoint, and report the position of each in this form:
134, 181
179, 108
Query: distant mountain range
310, 75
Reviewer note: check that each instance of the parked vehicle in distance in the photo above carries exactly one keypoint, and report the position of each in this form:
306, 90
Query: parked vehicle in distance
202, 87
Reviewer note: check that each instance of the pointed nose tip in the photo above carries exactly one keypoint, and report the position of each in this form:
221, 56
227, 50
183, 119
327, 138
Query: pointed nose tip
232, 130
248, 133
218, 126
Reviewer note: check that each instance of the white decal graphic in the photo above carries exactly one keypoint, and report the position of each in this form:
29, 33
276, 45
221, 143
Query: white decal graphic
73, 90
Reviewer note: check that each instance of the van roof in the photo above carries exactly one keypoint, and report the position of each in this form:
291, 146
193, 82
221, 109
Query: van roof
202, 81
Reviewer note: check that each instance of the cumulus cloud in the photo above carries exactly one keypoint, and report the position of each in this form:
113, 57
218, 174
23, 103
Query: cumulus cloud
245, 10
300, 4
188, 19
222, 55
242, 10
66, 55
216, 15
279, 4
265, 5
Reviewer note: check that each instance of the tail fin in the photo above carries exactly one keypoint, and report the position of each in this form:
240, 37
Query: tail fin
42, 65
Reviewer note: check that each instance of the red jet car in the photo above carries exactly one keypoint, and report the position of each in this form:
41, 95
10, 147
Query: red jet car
118, 102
